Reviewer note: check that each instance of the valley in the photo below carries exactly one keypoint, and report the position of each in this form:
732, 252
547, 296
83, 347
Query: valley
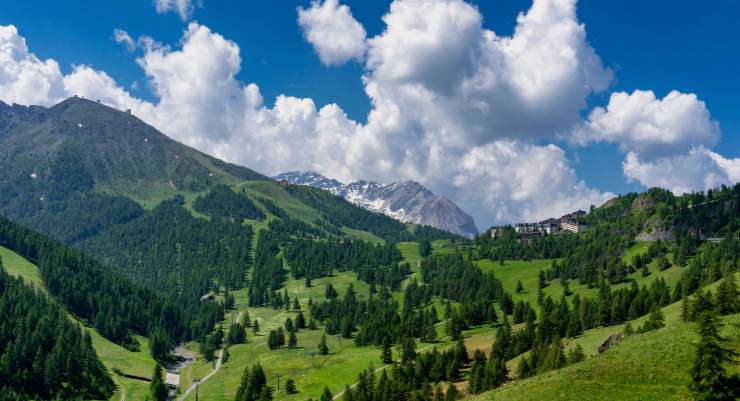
289, 292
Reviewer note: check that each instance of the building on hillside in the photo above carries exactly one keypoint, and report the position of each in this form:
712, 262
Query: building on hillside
528, 236
573, 226
497, 231
550, 226
577, 215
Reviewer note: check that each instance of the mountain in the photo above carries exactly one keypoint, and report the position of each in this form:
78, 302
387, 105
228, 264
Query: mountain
122, 154
166, 215
407, 201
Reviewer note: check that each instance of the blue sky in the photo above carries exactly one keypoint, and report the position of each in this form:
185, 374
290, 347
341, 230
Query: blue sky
657, 45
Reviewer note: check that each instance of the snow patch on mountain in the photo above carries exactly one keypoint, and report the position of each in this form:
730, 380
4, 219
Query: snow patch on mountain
407, 201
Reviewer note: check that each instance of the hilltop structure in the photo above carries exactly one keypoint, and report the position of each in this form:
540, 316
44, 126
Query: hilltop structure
570, 222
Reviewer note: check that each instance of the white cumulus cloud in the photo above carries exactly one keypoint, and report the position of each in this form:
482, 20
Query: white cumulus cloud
24, 78
122, 37
184, 8
465, 111
699, 169
651, 127
332, 30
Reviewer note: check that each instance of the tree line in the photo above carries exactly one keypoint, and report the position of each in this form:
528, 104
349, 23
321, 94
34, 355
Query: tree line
43, 354
113, 304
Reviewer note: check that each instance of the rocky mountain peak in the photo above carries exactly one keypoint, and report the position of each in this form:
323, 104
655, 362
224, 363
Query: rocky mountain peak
406, 200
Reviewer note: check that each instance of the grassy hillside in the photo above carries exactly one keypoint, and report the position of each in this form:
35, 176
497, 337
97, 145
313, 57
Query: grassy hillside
335, 371
113, 356
528, 272
650, 366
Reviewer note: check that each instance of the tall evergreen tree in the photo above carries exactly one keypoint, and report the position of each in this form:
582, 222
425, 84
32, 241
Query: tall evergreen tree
323, 346
386, 354
158, 388
292, 340
709, 378
727, 298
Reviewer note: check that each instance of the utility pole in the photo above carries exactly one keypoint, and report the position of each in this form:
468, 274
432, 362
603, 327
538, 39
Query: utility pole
313, 364
277, 376
197, 386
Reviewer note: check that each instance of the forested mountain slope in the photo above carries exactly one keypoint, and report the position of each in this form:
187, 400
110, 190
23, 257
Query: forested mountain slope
175, 223
42, 353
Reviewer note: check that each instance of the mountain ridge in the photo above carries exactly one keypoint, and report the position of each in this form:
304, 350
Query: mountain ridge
407, 200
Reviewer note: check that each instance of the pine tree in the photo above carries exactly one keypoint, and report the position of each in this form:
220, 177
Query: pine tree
323, 346
347, 328
645, 271
555, 358
525, 369
265, 394
157, 388
496, 372
296, 304
408, 351
575, 328
628, 330
461, 353
702, 303
289, 327
272, 340
727, 298
655, 320
225, 355
452, 393
280, 337
541, 280
475, 381
519, 287
330, 292
663, 263
453, 370
386, 354
425, 248
566, 287
300, 321
292, 340
237, 334
709, 377
290, 387
326, 395
576, 355
256, 326
348, 394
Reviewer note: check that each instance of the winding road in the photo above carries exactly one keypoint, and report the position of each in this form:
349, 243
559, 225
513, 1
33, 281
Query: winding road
219, 361
204, 379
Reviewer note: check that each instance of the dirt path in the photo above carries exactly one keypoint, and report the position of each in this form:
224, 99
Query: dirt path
204, 379
123, 392
219, 361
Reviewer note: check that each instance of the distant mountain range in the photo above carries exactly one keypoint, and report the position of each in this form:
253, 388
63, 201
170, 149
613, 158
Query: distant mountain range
407, 201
